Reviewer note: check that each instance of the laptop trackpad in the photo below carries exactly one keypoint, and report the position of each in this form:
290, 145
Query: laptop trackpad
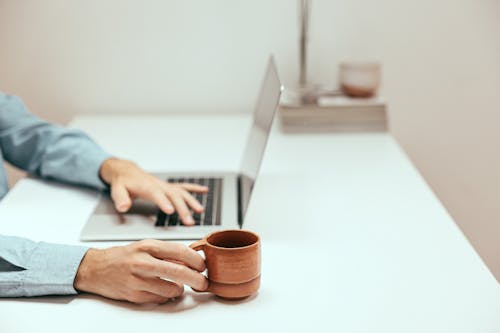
139, 207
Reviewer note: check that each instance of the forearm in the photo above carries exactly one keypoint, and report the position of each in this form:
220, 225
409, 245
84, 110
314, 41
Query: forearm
75, 159
49, 269
46, 149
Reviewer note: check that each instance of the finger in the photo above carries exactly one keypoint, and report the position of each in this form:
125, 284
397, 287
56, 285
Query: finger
159, 198
194, 187
179, 273
162, 288
192, 202
121, 198
145, 297
181, 208
174, 251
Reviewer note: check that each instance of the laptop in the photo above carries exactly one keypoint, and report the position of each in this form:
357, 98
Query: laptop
225, 203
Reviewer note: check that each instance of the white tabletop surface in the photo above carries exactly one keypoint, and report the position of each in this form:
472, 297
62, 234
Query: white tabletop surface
353, 238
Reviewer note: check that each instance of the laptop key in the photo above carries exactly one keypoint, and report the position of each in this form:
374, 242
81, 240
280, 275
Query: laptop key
197, 218
160, 219
167, 219
208, 217
174, 220
208, 212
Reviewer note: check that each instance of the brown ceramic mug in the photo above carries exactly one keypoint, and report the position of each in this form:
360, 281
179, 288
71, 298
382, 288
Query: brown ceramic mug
359, 79
232, 258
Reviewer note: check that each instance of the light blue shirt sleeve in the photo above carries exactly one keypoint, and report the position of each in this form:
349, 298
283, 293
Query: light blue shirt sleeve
48, 150
29, 268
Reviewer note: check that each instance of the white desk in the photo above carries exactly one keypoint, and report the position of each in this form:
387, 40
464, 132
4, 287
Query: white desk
353, 238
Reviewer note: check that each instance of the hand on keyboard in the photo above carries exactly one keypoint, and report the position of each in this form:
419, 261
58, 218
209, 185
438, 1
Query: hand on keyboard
210, 200
128, 181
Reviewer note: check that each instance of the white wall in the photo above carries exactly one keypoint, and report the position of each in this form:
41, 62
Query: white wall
441, 72
68, 57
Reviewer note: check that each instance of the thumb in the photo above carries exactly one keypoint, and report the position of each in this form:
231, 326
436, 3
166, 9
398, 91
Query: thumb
121, 198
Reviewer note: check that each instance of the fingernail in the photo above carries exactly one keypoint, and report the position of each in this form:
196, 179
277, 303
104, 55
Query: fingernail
122, 207
169, 209
189, 219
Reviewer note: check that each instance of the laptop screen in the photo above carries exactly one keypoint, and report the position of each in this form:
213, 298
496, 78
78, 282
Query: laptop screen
265, 109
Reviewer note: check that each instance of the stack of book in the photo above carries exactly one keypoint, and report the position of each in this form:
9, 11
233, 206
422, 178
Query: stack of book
334, 113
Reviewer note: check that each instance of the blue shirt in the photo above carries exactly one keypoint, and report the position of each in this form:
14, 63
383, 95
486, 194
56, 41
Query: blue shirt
29, 268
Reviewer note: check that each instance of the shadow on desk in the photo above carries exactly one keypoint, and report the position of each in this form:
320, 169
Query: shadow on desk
43, 299
188, 301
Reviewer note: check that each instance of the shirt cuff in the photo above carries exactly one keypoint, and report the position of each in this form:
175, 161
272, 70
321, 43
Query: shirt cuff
52, 270
90, 165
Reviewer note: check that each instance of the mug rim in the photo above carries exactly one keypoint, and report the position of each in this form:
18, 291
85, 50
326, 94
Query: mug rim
232, 248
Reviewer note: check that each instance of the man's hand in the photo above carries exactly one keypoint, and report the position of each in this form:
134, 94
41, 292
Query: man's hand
136, 272
128, 182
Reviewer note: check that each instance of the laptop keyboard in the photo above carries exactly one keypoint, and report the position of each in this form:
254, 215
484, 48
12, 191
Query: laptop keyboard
210, 200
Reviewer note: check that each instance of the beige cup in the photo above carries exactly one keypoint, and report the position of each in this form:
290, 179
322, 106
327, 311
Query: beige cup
359, 79
233, 262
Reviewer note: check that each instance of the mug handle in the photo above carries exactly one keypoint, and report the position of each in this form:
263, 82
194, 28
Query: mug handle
199, 246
